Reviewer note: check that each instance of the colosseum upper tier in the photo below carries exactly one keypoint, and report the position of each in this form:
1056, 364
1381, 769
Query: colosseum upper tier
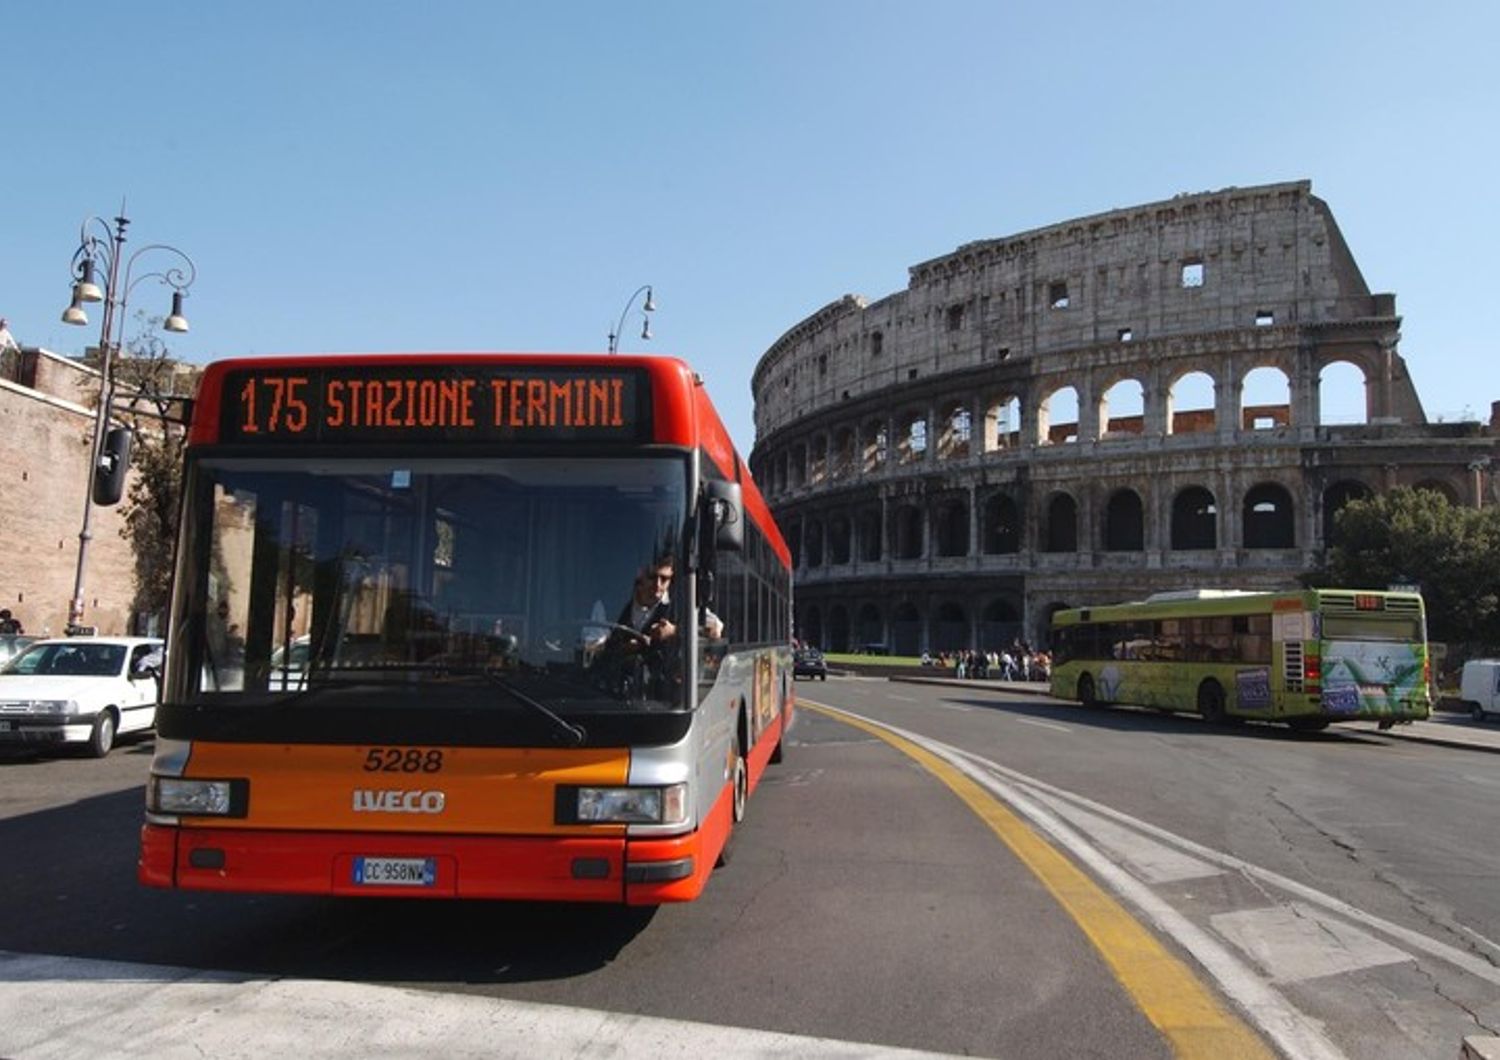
1061, 418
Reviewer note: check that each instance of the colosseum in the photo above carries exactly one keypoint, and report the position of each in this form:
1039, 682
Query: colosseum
1077, 415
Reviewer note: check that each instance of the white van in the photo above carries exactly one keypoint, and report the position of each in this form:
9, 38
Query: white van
1480, 687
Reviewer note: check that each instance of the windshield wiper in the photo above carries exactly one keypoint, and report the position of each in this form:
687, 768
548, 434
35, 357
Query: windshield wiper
575, 733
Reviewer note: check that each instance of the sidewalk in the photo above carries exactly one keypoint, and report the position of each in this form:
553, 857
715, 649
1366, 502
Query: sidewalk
1448, 730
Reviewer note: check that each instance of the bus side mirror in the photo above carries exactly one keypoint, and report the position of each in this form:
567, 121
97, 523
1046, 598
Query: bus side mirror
724, 510
114, 462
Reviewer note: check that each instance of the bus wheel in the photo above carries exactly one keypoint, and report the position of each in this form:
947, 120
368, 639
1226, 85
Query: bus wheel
741, 791
1477, 713
102, 739
741, 783
1211, 702
1086, 691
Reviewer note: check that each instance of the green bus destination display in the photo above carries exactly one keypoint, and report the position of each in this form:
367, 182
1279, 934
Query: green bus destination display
447, 403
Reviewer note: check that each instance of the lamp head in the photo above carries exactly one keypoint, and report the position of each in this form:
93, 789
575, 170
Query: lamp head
74, 314
646, 330
175, 320
650, 305
86, 289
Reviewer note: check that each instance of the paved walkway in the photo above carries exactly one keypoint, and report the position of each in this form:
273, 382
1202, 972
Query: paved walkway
1450, 730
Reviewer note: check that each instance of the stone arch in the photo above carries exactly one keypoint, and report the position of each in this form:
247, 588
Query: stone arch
911, 438
1195, 520
950, 627
839, 534
842, 461
813, 542
908, 536
794, 543
1191, 403
1343, 393
1334, 498
999, 624
951, 526
1268, 517
1438, 486
906, 629
1061, 533
1057, 417
817, 468
810, 629
1122, 410
875, 446
798, 466
1002, 525
955, 423
1124, 522
1002, 423
869, 535
1265, 398
870, 625
838, 629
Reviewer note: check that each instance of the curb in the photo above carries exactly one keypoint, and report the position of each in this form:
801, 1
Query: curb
1437, 739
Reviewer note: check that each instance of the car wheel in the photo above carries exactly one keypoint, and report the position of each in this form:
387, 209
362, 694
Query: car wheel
1477, 713
102, 739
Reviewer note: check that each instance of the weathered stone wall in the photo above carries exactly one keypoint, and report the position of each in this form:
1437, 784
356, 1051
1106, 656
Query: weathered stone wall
935, 490
45, 430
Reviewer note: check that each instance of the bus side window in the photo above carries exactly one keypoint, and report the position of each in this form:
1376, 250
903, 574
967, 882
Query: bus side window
1252, 638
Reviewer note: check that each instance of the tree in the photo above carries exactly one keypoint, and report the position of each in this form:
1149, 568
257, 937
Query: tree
1453, 553
149, 386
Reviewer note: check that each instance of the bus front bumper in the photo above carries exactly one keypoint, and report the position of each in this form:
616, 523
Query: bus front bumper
567, 869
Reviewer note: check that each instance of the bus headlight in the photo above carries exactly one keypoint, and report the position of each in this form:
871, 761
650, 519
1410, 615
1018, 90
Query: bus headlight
178, 796
657, 805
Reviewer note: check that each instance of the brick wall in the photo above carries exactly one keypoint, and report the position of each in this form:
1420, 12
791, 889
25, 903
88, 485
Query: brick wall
44, 456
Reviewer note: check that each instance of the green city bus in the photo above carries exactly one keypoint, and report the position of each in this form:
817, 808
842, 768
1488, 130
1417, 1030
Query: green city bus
1305, 658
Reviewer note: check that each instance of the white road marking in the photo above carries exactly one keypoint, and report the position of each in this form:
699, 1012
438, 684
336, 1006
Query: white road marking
1467, 962
67, 1007
1151, 861
902, 699
956, 706
1041, 724
1295, 1033
1295, 942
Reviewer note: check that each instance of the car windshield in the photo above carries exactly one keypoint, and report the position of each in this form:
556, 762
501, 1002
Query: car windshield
69, 660
12, 645
431, 578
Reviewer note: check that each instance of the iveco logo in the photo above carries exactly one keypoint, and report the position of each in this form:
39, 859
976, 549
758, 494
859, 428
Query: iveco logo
396, 800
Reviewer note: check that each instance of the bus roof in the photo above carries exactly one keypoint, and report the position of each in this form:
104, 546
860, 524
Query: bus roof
1189, 604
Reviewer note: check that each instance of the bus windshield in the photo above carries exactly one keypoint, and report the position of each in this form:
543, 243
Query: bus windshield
478, 583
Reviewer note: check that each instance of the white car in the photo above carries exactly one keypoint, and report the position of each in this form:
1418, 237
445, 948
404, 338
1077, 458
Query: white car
80, 690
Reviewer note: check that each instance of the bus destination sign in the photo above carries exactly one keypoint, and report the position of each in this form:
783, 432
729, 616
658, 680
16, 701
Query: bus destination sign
438, 403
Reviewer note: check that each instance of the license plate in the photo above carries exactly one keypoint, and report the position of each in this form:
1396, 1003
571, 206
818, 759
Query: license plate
395, 872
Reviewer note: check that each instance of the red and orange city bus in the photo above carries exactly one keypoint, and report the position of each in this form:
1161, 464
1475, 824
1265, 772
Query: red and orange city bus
402, 656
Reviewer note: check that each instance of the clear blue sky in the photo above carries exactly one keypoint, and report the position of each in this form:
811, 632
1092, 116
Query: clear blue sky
456, 176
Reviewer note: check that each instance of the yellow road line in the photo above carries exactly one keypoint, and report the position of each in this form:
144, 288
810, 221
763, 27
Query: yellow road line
1166, 991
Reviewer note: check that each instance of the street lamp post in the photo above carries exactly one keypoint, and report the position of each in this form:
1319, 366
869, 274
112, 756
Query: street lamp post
649, 307
99, 245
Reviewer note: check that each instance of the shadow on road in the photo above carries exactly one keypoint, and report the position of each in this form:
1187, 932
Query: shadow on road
69, 882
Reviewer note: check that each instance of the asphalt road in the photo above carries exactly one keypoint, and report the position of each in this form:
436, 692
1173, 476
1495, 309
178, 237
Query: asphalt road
1339, 890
